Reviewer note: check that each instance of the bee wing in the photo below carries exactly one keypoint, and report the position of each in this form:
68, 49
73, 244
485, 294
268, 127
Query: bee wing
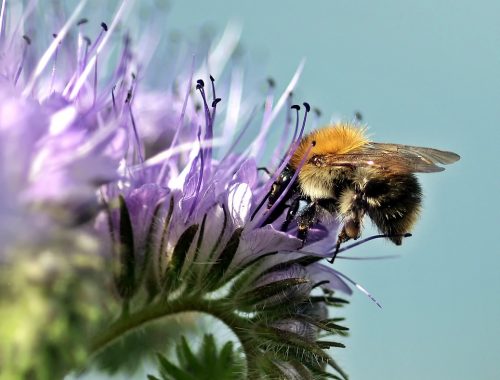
395, 158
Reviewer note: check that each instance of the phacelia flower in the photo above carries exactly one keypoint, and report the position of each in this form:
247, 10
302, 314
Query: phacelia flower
121, 205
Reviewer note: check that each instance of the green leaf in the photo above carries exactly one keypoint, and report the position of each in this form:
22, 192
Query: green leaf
187, 358
326, 344
149, 271
294, 346
218, 269
208, 350
265, 292
181, 249
169, 370
208, 364
125, 280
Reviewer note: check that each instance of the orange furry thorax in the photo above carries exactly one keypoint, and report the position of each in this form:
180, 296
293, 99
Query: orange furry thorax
338, 138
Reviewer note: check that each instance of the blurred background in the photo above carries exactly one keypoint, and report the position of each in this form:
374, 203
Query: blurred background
420, 73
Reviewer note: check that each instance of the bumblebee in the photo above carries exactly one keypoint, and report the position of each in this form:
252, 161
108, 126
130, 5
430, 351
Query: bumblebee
339, 170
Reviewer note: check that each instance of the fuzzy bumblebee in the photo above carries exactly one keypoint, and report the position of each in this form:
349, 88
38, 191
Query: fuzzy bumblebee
342, 172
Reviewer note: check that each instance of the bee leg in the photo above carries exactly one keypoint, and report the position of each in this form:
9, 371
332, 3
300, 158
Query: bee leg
341, 238
305, 220
291, 214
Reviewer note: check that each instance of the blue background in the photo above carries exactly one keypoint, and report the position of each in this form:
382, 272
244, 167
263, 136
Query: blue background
424, 73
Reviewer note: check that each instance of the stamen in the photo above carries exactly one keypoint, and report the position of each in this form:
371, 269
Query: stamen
289, 186
321, 256
86, 71
209, 119
113, 99
286, 129
53, 75
2, 19
287, 158
23, 58
240, 134
183, 112
201, 87
358, 286
82, 21
362, 241
213, 88
128, 101
44, 60
256, 147
200, 178
95, 81
384, 257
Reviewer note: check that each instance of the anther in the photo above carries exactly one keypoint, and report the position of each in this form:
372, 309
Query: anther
217, 100
318, 112
133, 76
212, 78
82, 21
104, 26
307, 106
295, 107
200, 84
54, 35
272, 83
87, 40
27, 39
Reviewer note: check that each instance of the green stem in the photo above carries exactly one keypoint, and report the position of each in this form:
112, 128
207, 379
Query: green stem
217, 308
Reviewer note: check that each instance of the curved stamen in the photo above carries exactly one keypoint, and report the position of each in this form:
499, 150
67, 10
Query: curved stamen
358, 286
200, 178
44, 60
2, 19
286, 129
53, 74
184, 106
288, 187
240, 135
86, 71
23, 58
373, 237
287, 157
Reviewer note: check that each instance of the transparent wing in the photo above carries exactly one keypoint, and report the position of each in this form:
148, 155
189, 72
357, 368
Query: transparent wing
393, 158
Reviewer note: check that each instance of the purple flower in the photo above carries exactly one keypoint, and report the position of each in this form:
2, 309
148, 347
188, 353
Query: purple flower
167, 187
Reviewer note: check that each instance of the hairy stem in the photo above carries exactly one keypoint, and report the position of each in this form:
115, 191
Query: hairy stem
216, 308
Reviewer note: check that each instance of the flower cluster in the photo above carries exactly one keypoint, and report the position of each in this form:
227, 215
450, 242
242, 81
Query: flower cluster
109, 199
